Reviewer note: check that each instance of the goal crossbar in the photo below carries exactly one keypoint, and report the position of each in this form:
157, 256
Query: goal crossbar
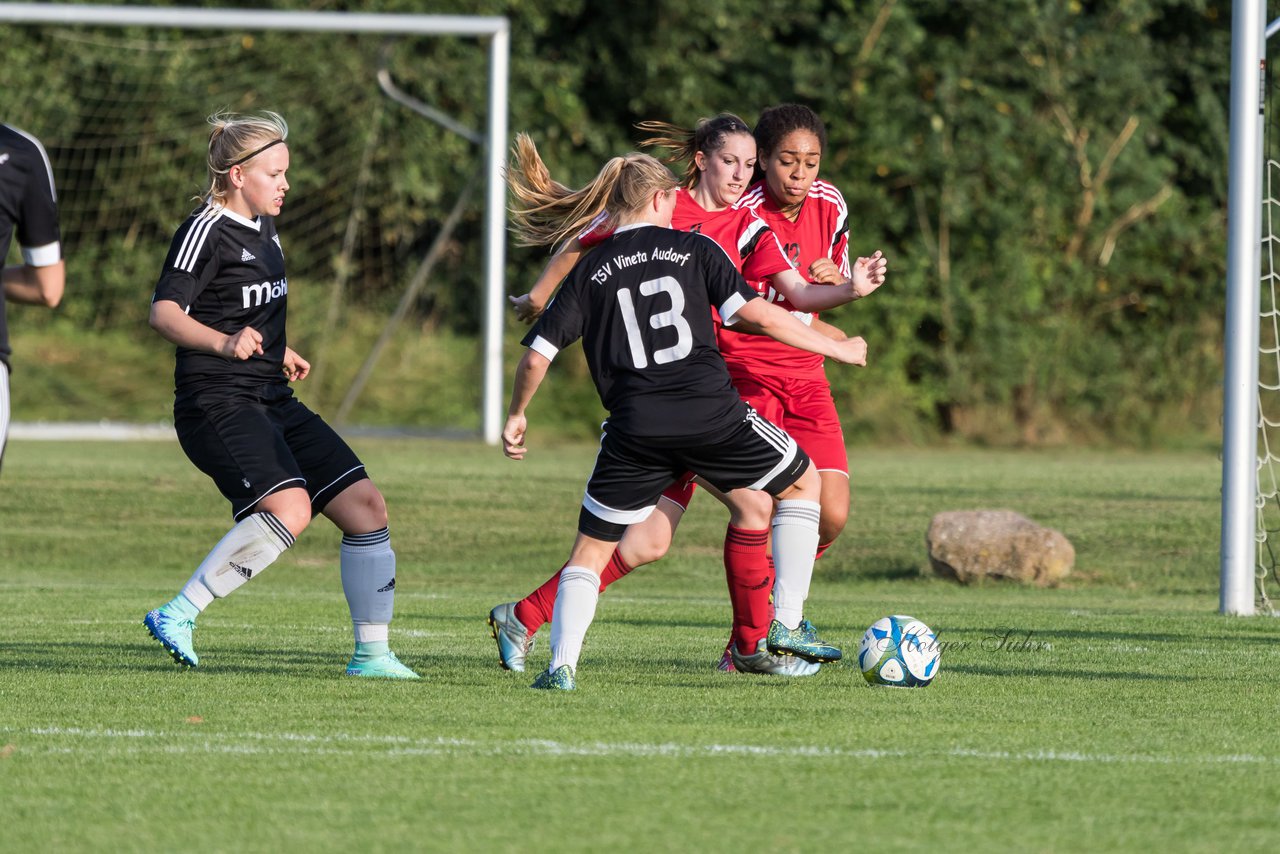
495, 28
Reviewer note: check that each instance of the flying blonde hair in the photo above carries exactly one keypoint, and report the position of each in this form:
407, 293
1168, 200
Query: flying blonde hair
546, 213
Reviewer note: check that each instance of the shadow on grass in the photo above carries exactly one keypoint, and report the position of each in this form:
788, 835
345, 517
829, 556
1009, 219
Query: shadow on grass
1083, 675
87, 657
991, 634
892, 572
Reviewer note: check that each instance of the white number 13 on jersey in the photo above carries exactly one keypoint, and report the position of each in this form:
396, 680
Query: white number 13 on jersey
672, 317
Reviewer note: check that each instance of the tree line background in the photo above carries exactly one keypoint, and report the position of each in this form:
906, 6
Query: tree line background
1048, 180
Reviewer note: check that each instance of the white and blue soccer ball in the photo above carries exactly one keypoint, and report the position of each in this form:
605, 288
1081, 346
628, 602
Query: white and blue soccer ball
899, 651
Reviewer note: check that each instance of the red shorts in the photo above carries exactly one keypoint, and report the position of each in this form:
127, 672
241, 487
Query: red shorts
805, 409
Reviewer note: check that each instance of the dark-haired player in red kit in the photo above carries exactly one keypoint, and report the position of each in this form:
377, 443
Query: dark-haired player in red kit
811, 220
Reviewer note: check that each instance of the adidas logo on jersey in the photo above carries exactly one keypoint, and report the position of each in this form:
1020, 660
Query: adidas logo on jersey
246, 255
264, 292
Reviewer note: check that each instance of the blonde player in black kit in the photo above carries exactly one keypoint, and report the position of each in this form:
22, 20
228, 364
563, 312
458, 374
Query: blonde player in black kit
29, 202
221, 299
641, 302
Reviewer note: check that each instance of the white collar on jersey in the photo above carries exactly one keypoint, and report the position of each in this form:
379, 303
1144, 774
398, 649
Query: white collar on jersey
255, 224
631, 225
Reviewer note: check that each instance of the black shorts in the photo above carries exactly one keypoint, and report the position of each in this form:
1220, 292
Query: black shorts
253, 443
630, 474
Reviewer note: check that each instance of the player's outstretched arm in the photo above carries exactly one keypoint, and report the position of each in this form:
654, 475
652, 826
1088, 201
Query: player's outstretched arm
529, 306
830, 289
868, 273
178, 327
32, 285
529, 375
782, 325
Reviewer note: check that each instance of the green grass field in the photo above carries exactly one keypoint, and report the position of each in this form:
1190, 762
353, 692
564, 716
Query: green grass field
1118, 712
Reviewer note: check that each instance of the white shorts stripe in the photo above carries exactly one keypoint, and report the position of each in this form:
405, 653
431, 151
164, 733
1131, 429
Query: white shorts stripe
279, 486
770, 432
329, 485
787, 457
611, 514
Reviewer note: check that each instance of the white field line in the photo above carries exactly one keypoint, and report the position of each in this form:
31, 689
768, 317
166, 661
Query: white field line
114, 431
139, 741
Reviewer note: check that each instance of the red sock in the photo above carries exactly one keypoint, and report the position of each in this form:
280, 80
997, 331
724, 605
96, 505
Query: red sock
681, 492
535, 609
750, 576
822, 548
616, 569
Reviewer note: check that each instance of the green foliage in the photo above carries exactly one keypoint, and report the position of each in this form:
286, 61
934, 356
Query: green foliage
1046, 178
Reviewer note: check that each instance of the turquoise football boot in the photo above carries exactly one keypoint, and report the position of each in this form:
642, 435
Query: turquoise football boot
174, 633
560, 680
802, 642
378, 663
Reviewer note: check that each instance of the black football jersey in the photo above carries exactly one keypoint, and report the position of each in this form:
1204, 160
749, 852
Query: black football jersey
641, 303
227, 272
28, 201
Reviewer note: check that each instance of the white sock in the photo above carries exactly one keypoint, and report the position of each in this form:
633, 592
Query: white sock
243, 553
369, 581
574, 610
795, 541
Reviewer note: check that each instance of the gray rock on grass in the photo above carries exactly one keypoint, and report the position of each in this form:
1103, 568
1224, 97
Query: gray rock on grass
972, 545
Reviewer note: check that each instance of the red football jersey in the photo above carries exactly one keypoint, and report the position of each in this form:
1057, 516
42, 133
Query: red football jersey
739, 231
820, 231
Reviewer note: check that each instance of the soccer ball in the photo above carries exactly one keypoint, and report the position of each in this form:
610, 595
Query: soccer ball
899, 651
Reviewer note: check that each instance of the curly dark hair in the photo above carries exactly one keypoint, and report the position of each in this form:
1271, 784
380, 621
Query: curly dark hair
779, 120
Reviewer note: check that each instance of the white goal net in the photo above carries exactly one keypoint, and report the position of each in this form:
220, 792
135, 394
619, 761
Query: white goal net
1268, 452
390, 216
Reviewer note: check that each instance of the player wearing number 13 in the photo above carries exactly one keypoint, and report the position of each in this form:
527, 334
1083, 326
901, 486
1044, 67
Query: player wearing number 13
641, 303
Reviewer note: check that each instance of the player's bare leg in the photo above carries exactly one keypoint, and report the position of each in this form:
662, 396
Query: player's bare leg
835, 507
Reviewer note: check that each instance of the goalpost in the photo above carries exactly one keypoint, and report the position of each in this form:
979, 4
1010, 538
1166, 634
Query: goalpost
1250, 477
337, 242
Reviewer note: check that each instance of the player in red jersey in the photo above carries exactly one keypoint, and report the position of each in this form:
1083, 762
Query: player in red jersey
719, 157
810, 218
